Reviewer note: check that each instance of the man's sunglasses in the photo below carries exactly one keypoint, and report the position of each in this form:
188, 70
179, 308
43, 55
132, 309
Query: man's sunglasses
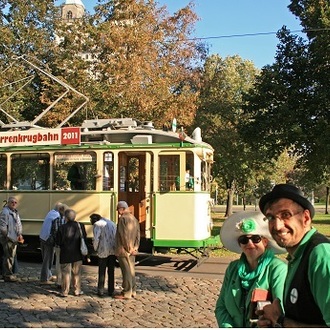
245, 239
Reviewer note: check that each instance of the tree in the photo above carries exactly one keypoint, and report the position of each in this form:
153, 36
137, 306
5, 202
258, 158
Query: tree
141, 62
146, 65
289, 106
224, 83
27, 28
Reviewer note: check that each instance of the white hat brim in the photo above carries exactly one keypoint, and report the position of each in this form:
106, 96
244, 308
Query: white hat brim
231, 231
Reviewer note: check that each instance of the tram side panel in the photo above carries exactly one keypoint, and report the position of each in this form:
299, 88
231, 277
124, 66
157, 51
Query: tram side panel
34, 205
182, 220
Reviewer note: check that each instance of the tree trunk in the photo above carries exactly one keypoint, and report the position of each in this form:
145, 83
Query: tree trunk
327, 201
229, 204
244, 199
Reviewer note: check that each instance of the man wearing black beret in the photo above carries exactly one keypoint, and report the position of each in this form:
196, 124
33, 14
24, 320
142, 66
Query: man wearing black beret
306, 297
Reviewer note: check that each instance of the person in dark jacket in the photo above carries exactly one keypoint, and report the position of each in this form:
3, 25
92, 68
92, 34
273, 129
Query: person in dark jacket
306, 299
76, 177
68, 239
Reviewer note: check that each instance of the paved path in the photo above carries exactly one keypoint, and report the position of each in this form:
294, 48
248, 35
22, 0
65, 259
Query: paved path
170, 294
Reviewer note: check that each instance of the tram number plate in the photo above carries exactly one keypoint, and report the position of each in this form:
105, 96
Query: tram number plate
70, 135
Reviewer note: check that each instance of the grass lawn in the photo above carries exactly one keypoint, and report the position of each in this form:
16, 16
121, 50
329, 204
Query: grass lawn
321, 222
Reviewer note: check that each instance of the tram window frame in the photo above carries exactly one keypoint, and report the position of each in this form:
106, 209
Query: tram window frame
108, 171
63, 161
189, 176
206, 176
122, 178
133, 178
169, 172
3, 172
30, 171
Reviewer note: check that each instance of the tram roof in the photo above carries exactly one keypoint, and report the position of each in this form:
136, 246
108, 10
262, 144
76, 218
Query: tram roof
115, 131
129, 130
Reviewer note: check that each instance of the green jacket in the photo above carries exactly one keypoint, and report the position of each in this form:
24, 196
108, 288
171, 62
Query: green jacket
232, 308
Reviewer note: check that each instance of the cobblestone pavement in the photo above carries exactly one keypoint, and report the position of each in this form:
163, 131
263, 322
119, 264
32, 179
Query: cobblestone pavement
170, 301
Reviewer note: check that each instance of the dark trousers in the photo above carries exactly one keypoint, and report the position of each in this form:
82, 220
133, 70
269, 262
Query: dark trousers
105, 263
9, 255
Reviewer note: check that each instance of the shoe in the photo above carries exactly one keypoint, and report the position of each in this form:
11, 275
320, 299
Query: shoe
52, 278
10, 278
121, 297
79, 293
100, 293
46, 283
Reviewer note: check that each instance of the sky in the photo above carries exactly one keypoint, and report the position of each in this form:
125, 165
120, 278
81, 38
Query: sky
219, 19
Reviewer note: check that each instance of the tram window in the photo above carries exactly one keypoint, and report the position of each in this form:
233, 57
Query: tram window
133, 175
108, 171
169, 172
189, 176
122, 178
3, 172
75, 171
206, 176
30, 172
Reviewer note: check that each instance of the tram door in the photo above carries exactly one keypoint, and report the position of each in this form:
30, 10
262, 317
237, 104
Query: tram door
132, 185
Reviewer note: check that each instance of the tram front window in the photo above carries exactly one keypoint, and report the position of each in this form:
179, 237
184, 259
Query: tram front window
75, 171
30, 172
206, 176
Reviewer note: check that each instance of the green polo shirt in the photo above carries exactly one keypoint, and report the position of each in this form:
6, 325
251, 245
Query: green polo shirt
318, 273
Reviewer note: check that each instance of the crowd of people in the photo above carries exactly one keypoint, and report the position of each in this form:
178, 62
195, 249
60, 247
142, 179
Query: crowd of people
60, 238
259, 289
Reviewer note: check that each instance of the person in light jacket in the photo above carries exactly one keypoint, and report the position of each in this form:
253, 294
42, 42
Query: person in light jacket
127, 245
256, 276
104, 232
10, 236
47, 237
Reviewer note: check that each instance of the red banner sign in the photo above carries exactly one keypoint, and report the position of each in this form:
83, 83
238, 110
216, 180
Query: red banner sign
70, 135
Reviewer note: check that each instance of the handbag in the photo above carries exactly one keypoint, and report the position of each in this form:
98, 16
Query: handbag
83, 246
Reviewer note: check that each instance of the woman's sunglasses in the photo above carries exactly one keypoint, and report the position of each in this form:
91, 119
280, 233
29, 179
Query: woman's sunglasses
245, 239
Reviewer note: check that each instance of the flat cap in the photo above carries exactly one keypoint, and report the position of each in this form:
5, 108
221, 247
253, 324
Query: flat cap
122, 204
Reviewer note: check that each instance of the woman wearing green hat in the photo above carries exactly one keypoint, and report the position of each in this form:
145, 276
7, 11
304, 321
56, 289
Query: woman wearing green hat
253, 279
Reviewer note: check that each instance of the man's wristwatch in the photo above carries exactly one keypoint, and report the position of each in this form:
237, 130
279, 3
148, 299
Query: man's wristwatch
279, 322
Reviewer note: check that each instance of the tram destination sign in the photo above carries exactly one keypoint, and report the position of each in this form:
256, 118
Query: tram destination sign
51, 136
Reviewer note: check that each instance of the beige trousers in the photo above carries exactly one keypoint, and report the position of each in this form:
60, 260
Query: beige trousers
72, 270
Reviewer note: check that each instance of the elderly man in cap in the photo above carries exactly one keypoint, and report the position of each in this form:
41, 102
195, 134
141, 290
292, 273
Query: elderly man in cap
127, 244
306, 297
